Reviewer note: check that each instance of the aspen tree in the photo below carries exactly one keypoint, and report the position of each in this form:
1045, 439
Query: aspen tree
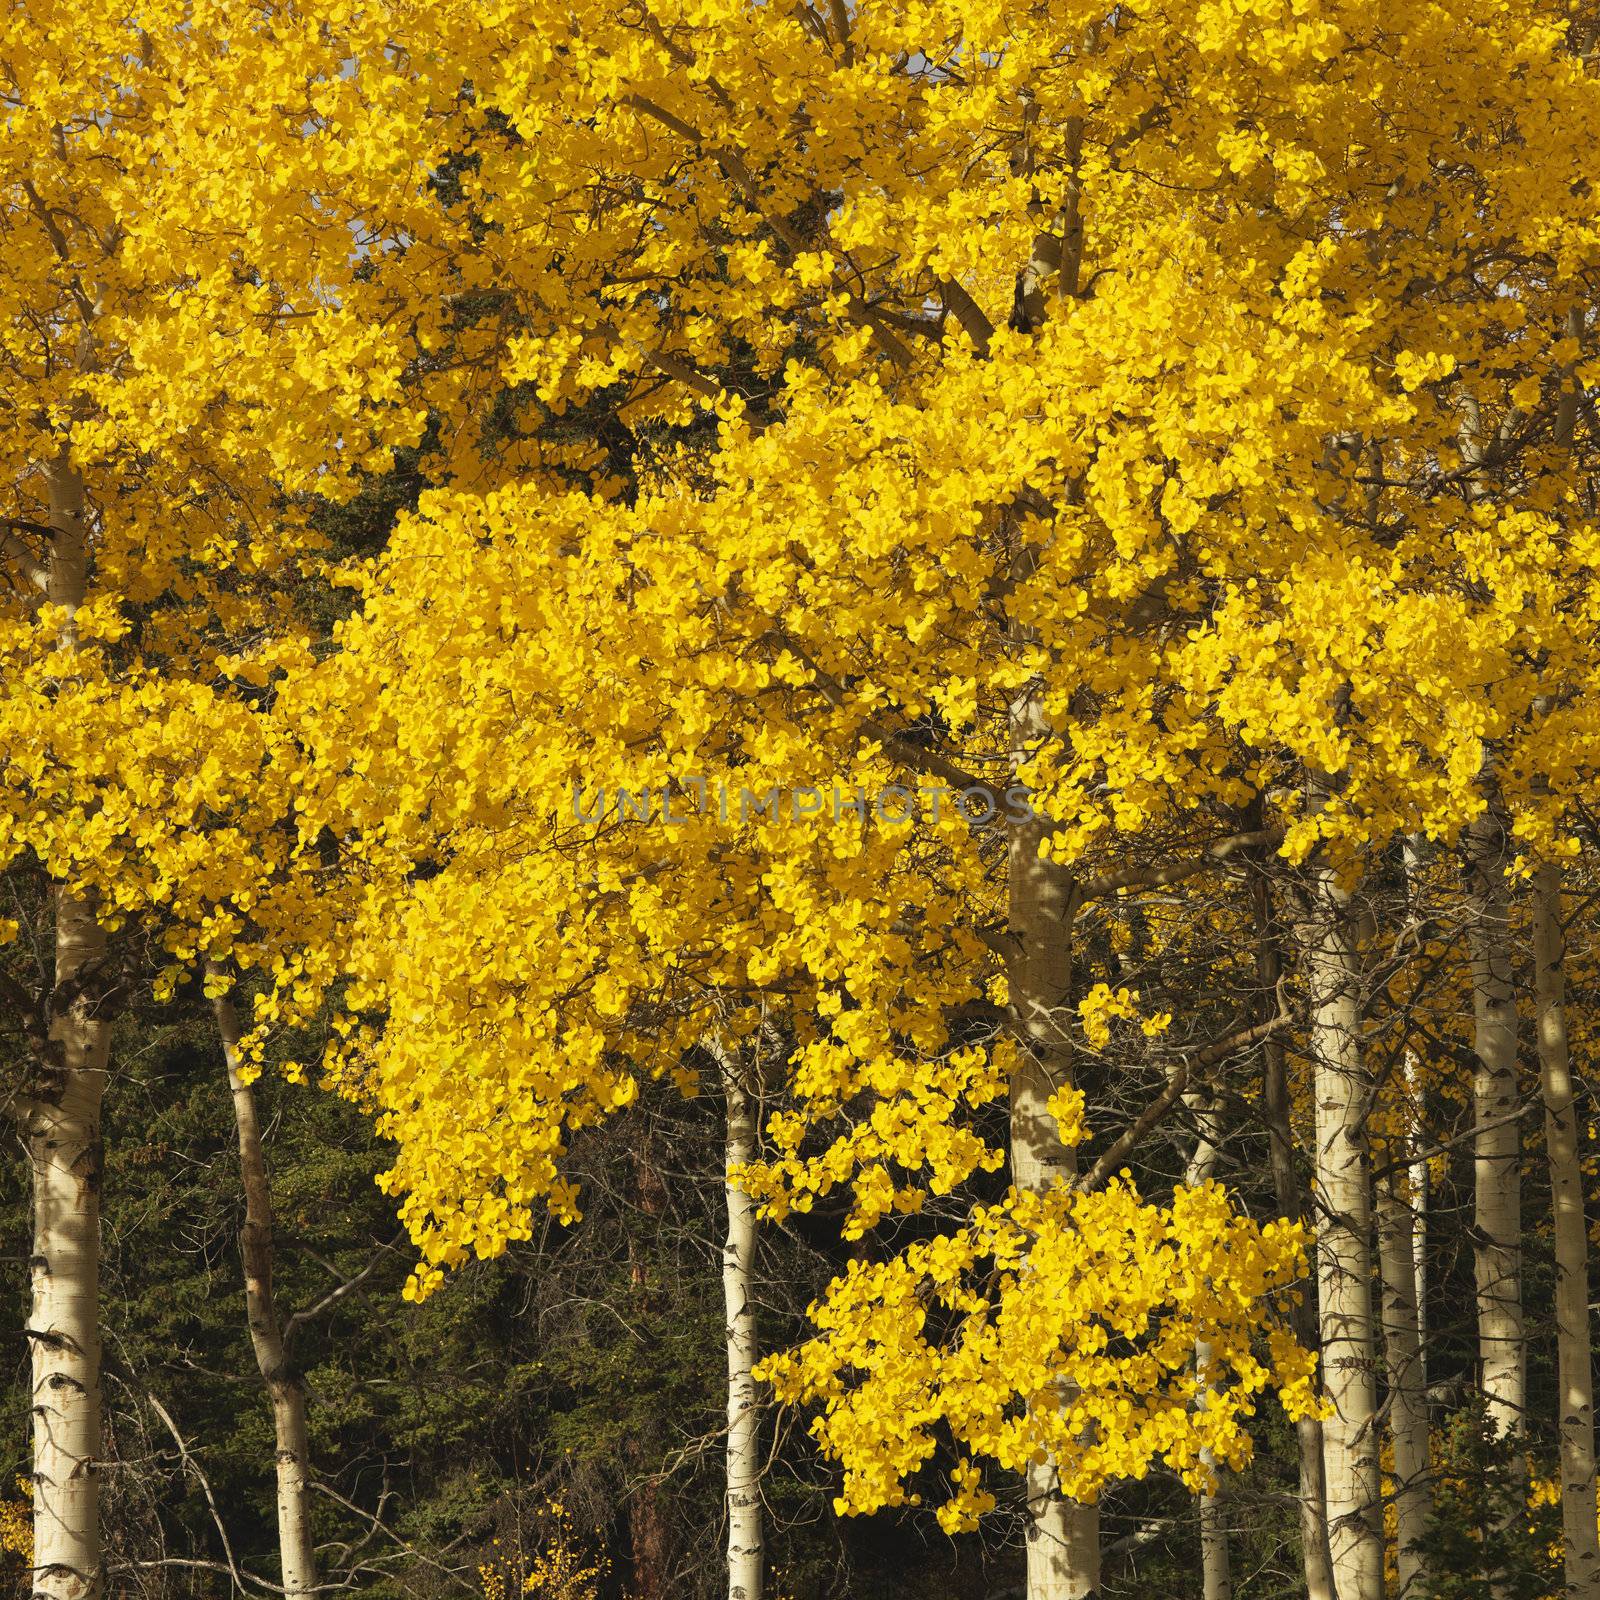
1408, 1406
1497, 1142
1418, 1185
1292, 1201
1400, 1197
1575, 1420
62, 1125
284, 1386
1216, 1571
1574, 1344
1063, 1534
746, 1541
190, 353
1132, 511
1342, 1088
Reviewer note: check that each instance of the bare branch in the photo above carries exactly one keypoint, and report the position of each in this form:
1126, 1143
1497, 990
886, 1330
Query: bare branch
15, 550
241, 1580
1169, 1097
1156, 877
348, 1286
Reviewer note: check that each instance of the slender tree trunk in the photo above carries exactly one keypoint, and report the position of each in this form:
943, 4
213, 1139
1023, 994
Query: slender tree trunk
1400, 1265
1417, 1167
745, 1540
1063, 1535
296, 1551
1497, 1211
1408, 1400
1344, 1245
1216, 1571
64, 1149
64, 1325
1417, 1177
1574, 1340
1290, 1198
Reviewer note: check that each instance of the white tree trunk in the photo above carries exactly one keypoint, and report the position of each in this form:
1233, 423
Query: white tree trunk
296, 1551
1216, 1570
1408, 1400
1344, 1245
1402, 1287
1574, 1341
63, 1136
745, 1541
1497, 1211
1417, 1175
1290, 1199
64, 1325
1063, 1537
1417, 1168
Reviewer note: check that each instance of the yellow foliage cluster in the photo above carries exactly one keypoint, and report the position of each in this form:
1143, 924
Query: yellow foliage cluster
1060, 1325
558, 1570
16, 1524
1267, 475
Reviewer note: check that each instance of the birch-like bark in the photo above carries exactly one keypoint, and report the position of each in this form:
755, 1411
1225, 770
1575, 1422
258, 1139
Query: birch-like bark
745, 1537
1289, 1195
1417, 1168
1400, 1267
1216, 1571
1497, 1177
1063, 1536
1497, 1180
1344, 1244
1408, 1400
296, 1550
63, 1136
1580, 1549
1417, 1177
1574, 1340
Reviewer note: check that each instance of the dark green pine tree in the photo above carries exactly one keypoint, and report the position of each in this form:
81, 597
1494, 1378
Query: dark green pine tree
1484, 1541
